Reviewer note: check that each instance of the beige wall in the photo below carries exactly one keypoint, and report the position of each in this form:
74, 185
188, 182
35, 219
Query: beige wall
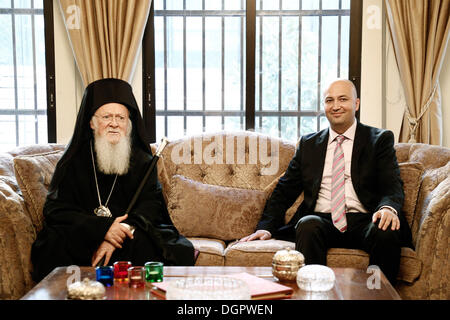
68, 81
371, 64
382, 101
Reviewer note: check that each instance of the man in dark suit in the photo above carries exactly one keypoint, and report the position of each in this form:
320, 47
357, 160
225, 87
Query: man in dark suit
353, 194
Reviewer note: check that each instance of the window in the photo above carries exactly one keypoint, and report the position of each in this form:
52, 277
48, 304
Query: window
252, 65
23, 87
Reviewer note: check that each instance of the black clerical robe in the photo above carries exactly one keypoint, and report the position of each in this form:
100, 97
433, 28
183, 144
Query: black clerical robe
72, 232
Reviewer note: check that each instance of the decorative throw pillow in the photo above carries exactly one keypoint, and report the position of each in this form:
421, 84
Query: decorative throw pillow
34, 174
294, 207
411, 174
210, 211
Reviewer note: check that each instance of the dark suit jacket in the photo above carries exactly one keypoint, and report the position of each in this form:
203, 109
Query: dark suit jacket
375, 176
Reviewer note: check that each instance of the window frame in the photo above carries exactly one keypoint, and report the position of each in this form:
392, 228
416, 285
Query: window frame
50, 70
47, 12
148, 68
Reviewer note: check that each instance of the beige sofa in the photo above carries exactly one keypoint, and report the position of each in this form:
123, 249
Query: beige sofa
216, 186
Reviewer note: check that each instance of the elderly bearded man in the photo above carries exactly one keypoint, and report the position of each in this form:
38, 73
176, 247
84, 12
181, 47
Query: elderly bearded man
99, 172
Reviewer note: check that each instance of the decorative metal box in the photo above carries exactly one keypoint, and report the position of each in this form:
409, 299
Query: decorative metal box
285, 264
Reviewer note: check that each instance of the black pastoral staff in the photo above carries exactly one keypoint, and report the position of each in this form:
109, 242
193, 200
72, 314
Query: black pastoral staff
93, 184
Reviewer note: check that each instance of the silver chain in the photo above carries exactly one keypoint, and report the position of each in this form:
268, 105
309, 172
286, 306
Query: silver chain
96, 183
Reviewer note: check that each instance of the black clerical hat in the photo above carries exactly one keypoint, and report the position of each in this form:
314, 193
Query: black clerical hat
97, 94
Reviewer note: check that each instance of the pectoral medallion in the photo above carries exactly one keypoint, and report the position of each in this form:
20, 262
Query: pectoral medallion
103, 211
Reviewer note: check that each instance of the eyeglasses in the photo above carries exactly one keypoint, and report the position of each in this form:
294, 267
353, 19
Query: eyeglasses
109, 118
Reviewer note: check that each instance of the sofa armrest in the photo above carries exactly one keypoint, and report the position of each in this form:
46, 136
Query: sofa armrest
16, 237
431, 228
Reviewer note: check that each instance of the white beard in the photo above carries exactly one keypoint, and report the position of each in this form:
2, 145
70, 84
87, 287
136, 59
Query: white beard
113, 158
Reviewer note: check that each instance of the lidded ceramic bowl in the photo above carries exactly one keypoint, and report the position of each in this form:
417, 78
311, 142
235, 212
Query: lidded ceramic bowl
315, 277
86, 290
285, 264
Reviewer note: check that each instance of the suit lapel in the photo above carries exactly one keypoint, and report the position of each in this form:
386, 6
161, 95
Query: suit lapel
321, 147
358, 145
322, 144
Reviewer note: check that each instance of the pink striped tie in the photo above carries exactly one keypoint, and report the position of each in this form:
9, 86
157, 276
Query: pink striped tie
338, 207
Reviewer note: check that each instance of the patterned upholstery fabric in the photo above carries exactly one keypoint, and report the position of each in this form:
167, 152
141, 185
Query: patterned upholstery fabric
411, 174
203, 210
425, 170
235, 158
212, 251
16, 236
254, 253
34, 173
431, 224
17, 229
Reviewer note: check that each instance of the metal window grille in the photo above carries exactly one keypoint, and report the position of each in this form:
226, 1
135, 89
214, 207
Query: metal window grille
269, 108
23, 102
304, 113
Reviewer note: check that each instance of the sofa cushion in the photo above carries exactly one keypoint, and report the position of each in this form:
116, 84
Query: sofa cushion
410, 265
260, 253
211, 251
293, 208
34, 174
347, 258
409, 270
254, 253
203, 210
411, 174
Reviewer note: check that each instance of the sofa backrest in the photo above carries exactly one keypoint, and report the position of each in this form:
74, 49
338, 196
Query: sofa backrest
7, 173
29, 178
216, 185
34, 173
430, 156
240, 159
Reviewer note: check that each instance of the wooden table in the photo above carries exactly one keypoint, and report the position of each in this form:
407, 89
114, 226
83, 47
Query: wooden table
351, 284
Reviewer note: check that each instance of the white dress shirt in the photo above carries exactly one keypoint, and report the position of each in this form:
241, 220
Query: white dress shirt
351, 199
